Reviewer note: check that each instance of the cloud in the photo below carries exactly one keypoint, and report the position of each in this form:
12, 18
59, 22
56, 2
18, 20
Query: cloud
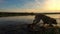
34, 5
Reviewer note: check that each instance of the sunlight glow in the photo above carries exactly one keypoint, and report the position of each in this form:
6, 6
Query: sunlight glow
52, 5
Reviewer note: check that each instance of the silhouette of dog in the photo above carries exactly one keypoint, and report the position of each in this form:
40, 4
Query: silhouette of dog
46, 19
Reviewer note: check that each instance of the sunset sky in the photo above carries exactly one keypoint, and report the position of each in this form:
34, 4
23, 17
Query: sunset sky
30, 6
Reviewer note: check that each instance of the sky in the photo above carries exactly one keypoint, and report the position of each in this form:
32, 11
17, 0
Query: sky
30, 6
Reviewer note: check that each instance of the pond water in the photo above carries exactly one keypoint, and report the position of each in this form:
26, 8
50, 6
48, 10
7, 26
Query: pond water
16, 20
22, 19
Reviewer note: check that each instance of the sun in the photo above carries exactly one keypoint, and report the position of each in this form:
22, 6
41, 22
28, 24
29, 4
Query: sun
51, 4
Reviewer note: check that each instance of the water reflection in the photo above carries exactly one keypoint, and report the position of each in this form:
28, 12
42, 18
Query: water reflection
22, 19
14, 24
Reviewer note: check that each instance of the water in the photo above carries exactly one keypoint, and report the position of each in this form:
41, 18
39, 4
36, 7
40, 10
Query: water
14, 24
21, 20
16, 20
